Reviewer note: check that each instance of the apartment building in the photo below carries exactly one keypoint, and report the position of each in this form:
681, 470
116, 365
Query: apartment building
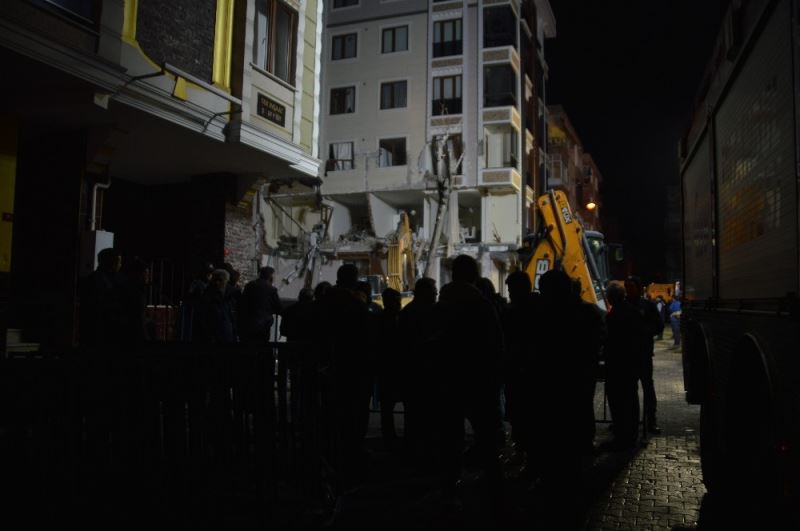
150, 126
401, 76
571, 169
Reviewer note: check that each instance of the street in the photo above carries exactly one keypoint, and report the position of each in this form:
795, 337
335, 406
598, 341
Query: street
662, 485
655, 487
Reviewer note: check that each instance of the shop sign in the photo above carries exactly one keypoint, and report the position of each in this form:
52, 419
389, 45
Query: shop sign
271, 110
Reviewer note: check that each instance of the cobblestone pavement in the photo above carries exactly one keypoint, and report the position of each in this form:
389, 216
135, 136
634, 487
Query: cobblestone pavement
656, 487
660, 485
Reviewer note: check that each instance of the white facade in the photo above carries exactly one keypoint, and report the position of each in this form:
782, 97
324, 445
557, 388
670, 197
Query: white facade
445, 78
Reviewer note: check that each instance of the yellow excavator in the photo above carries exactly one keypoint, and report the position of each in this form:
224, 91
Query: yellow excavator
563, 243
400, 265
400, 262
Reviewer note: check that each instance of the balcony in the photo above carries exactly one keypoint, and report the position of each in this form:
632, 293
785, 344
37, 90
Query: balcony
500, 179
499, 26
502, 116
447, 48
443, 107
556, 172
502, 55
499, 86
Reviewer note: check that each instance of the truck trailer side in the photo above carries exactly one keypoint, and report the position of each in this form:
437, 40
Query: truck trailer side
741, 274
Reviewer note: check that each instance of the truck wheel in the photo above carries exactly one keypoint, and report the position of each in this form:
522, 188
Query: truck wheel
710, 456
752, 446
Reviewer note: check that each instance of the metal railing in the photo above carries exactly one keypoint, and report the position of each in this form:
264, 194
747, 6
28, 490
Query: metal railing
173, 422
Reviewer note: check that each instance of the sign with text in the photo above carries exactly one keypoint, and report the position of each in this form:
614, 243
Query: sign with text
271, 110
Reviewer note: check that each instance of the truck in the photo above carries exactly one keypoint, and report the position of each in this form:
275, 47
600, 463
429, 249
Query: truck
741, 319
563, 243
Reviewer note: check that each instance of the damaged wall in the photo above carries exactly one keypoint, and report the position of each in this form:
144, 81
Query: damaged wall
240, 241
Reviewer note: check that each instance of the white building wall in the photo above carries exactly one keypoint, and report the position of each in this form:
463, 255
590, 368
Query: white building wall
368, 124
497, 213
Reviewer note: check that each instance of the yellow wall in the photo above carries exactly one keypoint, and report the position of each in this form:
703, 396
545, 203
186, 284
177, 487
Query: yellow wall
8, 173
309, 57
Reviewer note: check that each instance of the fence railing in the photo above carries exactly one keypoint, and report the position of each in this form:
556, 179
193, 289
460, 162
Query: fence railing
172, 426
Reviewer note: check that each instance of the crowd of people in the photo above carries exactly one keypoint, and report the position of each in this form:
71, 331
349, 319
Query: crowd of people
460, 354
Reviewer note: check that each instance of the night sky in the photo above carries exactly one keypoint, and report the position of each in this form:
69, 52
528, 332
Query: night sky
627, 73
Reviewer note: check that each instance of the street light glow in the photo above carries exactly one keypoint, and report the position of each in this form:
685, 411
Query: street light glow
591, 205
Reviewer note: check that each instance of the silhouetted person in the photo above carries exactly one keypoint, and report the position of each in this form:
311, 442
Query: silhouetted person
625, 326
233, 296
296, 321
101, 315
518, 319
590, 320
297, 324
653, 326
321, 289
195, 291
661, 306
564, 358
416, 332
674, 311
136, 280
259, 303
213, 321
342, 332
469, 352
364, 290
487, 289
388, 364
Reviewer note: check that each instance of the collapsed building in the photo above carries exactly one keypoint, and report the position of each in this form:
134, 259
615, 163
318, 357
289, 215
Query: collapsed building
402, 84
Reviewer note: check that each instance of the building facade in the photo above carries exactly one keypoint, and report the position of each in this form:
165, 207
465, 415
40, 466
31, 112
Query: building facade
150, 126
572, 169
400, 77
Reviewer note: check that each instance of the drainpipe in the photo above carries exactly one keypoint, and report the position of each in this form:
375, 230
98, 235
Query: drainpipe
95, 187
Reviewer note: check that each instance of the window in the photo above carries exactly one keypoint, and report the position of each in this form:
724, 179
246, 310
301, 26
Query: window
344, 3
391, 152
275, 39
447, 37
499, 86
393, 94
510, 149
500, 146
394, 39
344, 46
340, 156
343, 100
499, 27
446, 95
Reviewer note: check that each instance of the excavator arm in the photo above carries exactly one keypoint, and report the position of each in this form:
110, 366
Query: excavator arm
562, 244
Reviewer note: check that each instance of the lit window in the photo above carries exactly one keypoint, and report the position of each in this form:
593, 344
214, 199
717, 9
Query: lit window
393, 94
275, 38
344, 46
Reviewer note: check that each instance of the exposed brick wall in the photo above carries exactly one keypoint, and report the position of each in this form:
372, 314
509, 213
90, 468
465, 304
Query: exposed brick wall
180, 32
240, 241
